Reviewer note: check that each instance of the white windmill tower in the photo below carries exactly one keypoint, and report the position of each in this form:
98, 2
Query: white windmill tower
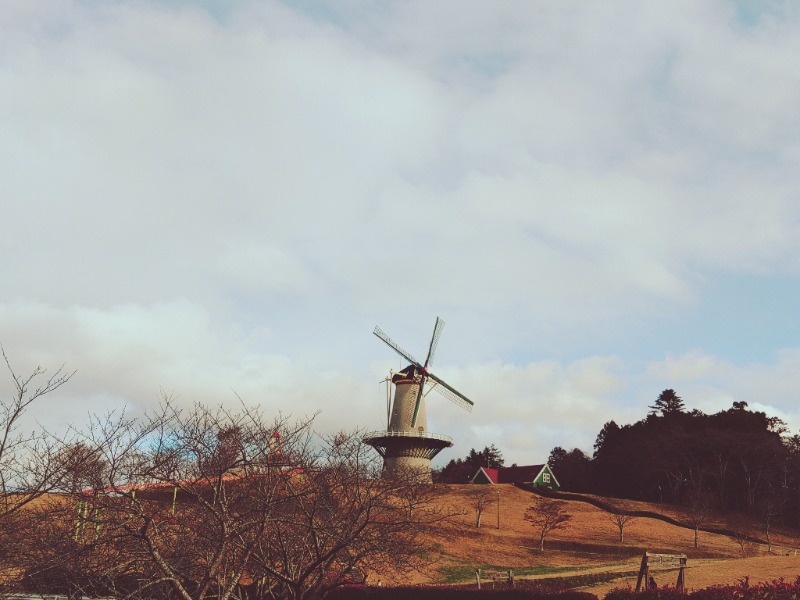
407, 445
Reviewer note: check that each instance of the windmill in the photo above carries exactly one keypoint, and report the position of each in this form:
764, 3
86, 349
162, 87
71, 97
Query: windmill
407, 444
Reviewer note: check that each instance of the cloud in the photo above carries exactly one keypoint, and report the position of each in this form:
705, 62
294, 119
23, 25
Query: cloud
198, 200
711, 383
527, 410
129, 356
266, 135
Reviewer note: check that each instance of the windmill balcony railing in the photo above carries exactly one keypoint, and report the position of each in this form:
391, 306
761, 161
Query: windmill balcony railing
408, 434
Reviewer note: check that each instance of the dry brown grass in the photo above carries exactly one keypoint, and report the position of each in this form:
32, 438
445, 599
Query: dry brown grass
589, 543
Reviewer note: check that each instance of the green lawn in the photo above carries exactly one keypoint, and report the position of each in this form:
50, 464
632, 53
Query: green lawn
466, 573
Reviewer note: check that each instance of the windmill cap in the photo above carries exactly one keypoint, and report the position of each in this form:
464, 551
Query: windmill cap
405, 374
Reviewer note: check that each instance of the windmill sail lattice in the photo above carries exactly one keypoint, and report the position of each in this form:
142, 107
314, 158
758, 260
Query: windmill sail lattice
407, 444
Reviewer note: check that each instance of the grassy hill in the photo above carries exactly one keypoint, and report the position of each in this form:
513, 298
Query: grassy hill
587, 550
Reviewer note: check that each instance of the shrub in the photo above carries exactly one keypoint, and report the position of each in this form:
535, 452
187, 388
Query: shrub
773, 590
744, 590
451, 592
628, 593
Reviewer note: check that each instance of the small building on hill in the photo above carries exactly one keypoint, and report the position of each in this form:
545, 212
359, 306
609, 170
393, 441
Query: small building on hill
537, 475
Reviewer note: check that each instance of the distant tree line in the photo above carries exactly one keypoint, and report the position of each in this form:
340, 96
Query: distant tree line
461, 470
737, 460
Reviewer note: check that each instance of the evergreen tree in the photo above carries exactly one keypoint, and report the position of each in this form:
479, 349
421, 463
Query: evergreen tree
667, 403
460, 470
455, 471
572, 469
606, 436
490, 457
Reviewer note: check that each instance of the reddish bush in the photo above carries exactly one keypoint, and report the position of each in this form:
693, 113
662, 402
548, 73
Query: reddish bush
744, 590
773, 590
664, 593
450, 592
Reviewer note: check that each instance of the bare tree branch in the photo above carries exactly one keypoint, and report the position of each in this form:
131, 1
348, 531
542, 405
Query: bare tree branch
547, 515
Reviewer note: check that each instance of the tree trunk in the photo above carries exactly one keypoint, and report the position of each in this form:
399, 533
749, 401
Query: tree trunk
723, 478
541, 542
696, 533
621, 533
798, 505
478, 519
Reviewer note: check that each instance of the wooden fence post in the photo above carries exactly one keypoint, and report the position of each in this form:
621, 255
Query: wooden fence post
643, 573
644, 570
681, 585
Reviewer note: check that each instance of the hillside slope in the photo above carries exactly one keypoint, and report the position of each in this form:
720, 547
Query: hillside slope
589, 543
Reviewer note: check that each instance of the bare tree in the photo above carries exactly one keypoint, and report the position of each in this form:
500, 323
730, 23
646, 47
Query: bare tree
480, 499
700, 503
79, 466
621, 518
28, 469
769, 509
741, 529
547, 515
194, 494
343, 520
64, 552
204, 504
173, 504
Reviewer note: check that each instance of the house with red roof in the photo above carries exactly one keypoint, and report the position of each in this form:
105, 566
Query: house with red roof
537, 475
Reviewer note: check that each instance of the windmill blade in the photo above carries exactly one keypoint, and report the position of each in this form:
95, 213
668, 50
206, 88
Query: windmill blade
437, 332
389, 342
451, 394
418, 402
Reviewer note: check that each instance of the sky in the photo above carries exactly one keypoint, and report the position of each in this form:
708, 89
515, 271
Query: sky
221, 200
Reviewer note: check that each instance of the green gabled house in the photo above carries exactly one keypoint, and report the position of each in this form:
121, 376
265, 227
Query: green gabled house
537, 475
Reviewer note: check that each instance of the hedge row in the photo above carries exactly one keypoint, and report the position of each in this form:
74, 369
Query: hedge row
774, 590
570, 582
452, 592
